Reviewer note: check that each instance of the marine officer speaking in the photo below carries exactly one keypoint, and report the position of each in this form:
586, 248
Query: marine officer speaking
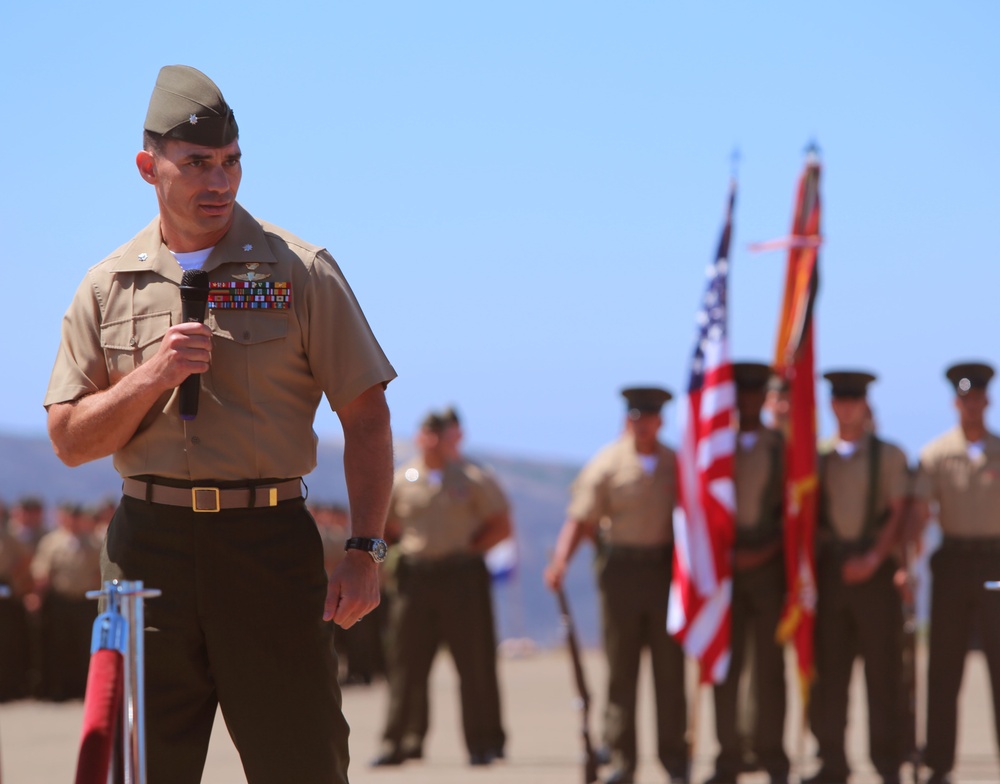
624, 499
213, 513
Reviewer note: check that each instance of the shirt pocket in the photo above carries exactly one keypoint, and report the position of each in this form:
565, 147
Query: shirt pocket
628, 492
249, 350
957, 472
129, 342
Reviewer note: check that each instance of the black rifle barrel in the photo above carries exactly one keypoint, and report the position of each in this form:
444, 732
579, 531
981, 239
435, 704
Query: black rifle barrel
590, 757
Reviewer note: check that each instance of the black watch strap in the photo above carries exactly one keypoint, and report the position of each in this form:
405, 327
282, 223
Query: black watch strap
375, 547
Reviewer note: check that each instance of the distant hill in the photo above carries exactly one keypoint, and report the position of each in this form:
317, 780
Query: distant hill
538, 491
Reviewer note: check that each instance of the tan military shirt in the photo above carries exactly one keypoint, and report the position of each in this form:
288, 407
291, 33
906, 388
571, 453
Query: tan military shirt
440, 512
845, 485
70, 563
966, 490
632, 507
271, 365
12, 555
753, 473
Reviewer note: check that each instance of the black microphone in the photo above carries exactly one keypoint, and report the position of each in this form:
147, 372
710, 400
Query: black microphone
194, 298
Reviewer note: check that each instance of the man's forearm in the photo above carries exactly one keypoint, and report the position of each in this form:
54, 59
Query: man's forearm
890, 534
101, 423
368, 463
496, 529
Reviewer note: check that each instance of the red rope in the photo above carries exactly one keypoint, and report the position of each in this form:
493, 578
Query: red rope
101, 710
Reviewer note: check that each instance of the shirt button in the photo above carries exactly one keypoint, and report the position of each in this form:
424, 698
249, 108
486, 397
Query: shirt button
195, 440
133, 342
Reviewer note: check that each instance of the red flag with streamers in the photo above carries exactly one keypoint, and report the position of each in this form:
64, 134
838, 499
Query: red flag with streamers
701, 591
794, 363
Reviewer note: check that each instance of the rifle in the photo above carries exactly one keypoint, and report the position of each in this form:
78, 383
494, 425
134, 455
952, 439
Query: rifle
910, 745
911, 751
590, 757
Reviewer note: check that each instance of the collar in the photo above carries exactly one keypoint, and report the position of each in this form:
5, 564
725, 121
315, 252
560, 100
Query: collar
747, 439
244, 243
847, 449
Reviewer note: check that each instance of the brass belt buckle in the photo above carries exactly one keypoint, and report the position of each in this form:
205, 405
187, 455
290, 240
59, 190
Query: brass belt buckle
213, 499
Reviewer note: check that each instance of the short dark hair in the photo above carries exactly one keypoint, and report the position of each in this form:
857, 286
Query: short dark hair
153, 142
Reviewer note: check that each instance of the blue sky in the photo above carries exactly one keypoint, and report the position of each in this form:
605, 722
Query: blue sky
524, 195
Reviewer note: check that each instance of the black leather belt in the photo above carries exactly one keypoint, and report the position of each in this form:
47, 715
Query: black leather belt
641, 553
213, 499
971, 544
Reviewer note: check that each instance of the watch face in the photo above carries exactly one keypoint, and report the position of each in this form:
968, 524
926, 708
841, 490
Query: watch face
379, 549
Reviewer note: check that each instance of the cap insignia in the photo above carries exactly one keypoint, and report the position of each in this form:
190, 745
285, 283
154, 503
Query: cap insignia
247, 248
193, 119
143, 256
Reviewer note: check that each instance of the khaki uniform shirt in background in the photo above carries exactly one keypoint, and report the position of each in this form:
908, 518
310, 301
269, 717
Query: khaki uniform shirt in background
71, 563
270, 367
753, 474
845, 486
12, 555
632, 508
441, 512
967, 491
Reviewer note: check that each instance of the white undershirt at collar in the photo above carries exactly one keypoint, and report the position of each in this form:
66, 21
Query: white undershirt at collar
193, 259
846, 448
648, 463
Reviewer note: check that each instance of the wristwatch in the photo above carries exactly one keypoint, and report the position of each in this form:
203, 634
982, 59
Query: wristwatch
376, 548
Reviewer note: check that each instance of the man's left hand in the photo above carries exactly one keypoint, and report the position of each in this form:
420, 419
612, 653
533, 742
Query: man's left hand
353, 591
860, 568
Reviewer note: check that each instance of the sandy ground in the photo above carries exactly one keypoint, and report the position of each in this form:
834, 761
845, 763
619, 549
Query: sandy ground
38, 741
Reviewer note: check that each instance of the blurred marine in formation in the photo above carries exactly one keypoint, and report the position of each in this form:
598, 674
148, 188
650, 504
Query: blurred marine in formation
15, 578
445, 512
863, 484
66, 565
958, 480
758, 590
624, 500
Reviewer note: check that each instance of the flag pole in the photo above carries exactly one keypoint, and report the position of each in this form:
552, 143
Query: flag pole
694, 717
701, 583
794, 363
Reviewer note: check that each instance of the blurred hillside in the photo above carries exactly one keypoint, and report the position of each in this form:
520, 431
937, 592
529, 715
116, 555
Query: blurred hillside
538, 493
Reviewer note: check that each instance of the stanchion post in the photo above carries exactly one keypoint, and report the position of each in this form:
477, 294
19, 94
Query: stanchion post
4, 594
126, 598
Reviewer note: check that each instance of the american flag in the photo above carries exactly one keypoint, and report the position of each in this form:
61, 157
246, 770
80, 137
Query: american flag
701, 591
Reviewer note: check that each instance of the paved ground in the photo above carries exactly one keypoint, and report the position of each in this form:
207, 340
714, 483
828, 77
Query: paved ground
38, 741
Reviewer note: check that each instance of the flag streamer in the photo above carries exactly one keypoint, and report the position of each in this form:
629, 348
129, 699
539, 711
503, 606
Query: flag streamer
794, 362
